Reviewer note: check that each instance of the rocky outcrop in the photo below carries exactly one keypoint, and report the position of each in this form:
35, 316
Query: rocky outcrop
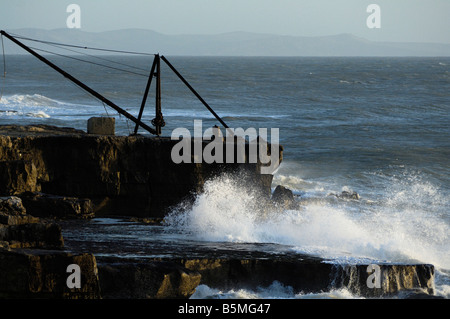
347, 195
12, 212
17, 176
43, 274
32, 235
146, 280
364, 280
125, 175
12, 205
21, 230
29, 265
178, 277
283, 197
46, 205
312, 275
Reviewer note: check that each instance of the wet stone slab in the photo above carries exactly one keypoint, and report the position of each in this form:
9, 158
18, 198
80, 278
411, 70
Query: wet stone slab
125, 244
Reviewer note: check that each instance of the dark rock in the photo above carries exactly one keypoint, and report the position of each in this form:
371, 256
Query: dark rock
43, 274
283, 197
17, 176
12, 205
417, 294
310, 275
46, 205
121, 175
149, 280
20, 230
230, 273
6, 219
393, 279
12, 212
32, 235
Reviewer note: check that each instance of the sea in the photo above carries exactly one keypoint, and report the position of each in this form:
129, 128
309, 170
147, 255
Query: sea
377, 126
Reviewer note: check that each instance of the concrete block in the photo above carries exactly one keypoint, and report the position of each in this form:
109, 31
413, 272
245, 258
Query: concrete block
101, 125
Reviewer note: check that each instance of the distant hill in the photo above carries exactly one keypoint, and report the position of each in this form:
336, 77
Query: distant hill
230, 44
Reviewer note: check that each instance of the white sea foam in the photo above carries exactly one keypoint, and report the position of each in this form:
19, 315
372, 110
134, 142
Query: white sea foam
35, 106
38, 114
401, 228
32, 106
28, 100
275, 291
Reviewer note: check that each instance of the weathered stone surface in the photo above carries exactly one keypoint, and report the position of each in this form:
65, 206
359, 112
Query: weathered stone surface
12, 212
149, 280
43, 274
12, 205
46, 205
17, 176
310, 275
392, 279
32, 235
230, 273
101, 125
6, 219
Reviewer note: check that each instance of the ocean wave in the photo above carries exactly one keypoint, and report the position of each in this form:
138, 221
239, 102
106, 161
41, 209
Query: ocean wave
13, 114
36, 106
39, 114
26, 105
29, 100
402, 226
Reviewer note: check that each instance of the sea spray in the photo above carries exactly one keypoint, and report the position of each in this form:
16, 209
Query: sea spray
225, 211
397, 227
228, 211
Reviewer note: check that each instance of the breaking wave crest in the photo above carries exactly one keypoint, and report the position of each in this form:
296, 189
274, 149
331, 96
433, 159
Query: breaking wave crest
29, 100
34, 106
403, 226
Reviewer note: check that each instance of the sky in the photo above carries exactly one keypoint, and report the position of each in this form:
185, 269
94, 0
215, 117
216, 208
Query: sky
399, 20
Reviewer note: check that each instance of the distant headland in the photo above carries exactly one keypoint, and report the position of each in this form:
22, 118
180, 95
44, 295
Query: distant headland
233, 43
